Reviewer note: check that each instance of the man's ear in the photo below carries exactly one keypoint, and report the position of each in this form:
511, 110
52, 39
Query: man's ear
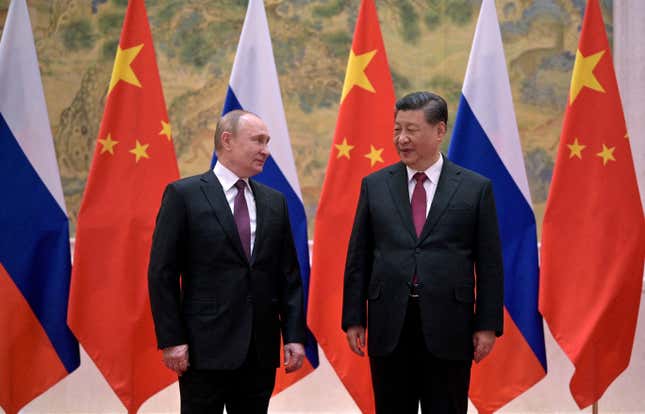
441, 130
227, 136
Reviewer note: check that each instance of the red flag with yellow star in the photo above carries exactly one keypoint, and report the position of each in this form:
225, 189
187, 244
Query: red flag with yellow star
593, 236
362, 144
109, 308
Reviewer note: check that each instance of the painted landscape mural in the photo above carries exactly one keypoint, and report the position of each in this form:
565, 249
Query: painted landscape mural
427, 41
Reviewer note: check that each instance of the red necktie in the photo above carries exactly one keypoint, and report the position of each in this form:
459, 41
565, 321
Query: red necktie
419, 202
241, 217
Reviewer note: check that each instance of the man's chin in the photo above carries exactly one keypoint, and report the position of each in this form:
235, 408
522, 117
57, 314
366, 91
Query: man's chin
409, 161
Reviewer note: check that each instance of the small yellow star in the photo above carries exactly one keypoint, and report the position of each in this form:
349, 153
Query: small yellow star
355, 74
122, 69
374, 155
108, 144
343, 149
583, 74
165, 130
576, 149
606, 154
626, 135
140, 151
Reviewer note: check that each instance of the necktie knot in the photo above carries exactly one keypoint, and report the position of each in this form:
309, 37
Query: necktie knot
240, 185
420, 177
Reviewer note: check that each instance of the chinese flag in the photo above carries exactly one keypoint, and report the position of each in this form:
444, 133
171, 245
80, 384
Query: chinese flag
109, 308
362, 144
593, 239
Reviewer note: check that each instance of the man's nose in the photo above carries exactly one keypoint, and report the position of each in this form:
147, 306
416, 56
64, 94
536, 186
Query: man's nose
402, 138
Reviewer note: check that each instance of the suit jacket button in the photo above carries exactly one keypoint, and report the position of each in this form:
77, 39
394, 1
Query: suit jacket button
249, 299
417, 250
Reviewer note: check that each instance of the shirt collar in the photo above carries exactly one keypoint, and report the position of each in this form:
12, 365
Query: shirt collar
433, 172
226, 177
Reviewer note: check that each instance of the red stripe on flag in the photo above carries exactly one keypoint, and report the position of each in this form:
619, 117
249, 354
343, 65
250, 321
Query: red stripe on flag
29, 364
498, 379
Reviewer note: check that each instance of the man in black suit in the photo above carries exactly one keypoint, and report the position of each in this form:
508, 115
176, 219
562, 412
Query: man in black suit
424, 269
224, 279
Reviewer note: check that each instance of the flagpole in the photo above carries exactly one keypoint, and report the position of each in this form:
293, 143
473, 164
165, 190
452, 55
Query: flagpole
594, 408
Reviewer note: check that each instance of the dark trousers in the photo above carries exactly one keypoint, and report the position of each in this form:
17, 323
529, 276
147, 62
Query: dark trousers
411, 375
245, 390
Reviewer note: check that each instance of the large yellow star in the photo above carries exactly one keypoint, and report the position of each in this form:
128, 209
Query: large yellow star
165, 130
139, 151
583, 74
374, 155
108, 144
355, 75
343, 149
576, 149
606, 154
122, 69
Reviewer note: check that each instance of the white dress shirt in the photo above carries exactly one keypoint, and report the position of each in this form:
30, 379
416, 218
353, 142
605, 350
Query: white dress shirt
430, 185
228, 179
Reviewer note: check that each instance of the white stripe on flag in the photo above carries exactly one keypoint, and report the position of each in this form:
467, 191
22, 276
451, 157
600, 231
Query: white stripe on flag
487, 86
254, 80
22, 102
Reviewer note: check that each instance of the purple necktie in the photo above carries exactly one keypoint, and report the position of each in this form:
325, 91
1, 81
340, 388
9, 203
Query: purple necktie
241, 216
419, 202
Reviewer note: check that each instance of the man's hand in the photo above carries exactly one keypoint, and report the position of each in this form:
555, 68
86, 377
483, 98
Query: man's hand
176, 358
356, 339
483, 342
294, 353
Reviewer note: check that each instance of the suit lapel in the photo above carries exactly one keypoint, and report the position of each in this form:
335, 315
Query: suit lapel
214, 193
260, 213
448, 182
398, 184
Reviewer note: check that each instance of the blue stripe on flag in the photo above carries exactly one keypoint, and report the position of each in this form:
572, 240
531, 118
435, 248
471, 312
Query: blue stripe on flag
471, 148
272, 176
230, 104
34, 245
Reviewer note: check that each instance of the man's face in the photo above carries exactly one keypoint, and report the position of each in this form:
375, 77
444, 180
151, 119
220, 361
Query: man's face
247, 149
416, 141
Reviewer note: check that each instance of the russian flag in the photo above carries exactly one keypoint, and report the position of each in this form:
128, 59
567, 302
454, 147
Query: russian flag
486, 139
37, 348
254, 87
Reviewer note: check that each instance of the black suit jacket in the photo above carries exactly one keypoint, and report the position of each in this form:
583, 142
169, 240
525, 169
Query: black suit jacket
224, 298
460, 239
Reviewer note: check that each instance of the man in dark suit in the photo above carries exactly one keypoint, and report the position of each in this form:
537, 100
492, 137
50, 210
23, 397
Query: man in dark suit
224, 278
424, 269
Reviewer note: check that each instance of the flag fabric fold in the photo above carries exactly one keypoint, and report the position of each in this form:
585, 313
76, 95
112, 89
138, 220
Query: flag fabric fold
593, 235
362, 144
134, 159
254, 87
37, 348
486, 140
